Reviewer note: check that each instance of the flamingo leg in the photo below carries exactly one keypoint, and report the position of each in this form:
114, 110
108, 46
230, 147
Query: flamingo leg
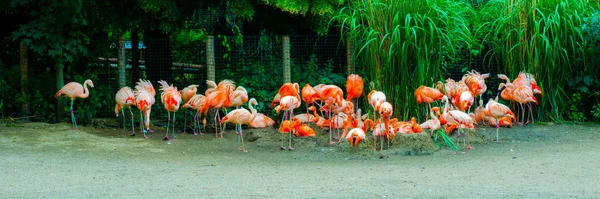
330, 123
282, 136
142, 120
522, 114
497, 127
173, 124
184, 122
290, 141
216, 124
123, 116
531, 112
224, 125
132, 125
242, 138
168, 121
73, 120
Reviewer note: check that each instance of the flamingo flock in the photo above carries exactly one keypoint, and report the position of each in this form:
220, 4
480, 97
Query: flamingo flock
328, 109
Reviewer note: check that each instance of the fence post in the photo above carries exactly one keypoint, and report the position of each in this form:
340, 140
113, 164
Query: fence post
210, 58
287, 77
24, 79
350, 56
121, 60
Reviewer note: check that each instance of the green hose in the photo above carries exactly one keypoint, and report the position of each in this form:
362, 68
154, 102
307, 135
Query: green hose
446, 139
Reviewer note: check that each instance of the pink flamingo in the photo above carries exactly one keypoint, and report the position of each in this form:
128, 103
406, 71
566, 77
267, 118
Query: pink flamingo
171, 99
497, 111
125, 99
261, 121
75, 90
195, 103
386, 111
144, 99
186, 94
241, 116
288, 104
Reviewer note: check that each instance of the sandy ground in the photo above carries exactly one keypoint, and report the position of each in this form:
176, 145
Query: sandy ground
41, 160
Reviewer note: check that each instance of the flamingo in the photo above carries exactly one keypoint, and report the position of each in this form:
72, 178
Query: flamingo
356, 135
476, 82
466, 100
520, 94
144, 99
385, 111
428, 95
261, 121
195, 103
497, 111
309, 95
301, 130
186, 94
354, 87
125, 99
461, 119
216, 99
318, 120
171, 99
75, 90
432, 124
239, 96
288, 104
527, 79
241, 116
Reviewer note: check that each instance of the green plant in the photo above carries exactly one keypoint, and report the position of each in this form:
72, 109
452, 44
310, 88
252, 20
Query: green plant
574, 113
401, 44
596, 111
542, 37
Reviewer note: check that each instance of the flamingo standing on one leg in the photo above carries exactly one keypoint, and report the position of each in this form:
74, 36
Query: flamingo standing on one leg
171, 99
186, 94
241, 116
497, 111
331, 94
144, 99
125, 99
75, 90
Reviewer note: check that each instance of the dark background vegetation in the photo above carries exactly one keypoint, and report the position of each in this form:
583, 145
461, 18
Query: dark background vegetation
399, 45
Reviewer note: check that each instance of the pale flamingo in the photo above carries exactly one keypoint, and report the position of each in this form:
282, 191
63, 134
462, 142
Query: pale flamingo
261, 121
497, 111
241, 116
171, 99
288, 104
461, 119
466, 101
186, 94
75, 90
476, 82
386, 111
125, 99
238, 97
144, 99
195, 103
432, 124
428, 95
520, 94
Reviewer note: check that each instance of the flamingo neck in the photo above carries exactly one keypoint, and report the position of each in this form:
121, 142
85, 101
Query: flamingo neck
86, 92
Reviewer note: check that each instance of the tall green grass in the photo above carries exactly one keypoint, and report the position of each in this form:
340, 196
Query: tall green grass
542, 37
401, 43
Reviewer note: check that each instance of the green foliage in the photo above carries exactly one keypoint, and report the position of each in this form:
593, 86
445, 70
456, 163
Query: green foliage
404, 42
313, 73
42, 107
574, 113
59, 36
596, 111
544, 38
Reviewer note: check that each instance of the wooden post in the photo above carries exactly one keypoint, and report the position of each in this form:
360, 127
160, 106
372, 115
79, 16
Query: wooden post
210, 58
350, 56
287, 76
121, 61
24, 77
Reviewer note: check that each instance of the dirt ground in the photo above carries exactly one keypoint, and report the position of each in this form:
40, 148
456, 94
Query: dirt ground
40, 160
